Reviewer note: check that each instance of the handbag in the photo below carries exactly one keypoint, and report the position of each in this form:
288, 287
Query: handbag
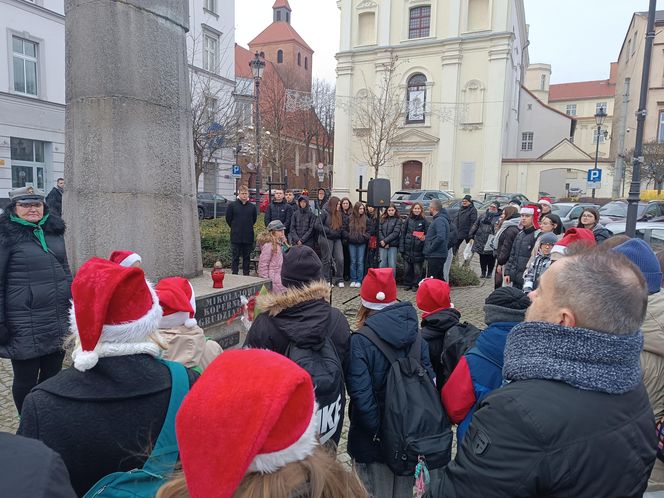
373, 242
488, 247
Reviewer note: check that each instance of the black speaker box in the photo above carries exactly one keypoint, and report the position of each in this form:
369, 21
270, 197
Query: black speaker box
379, 192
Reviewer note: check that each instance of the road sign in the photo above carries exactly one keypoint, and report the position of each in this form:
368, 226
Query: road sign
236, 172
594, 175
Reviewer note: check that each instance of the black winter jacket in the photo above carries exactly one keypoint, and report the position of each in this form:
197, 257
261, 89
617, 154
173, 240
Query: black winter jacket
601, 233
279, 211
367, 375
101, 421
35, 289
481, 230
411, 247
241, 219
29, 469
546, 438
302, 225
464, 220
323, 226
390, 231
434, 329
437, 239
506, 241
54, 201
361, 237
522, 250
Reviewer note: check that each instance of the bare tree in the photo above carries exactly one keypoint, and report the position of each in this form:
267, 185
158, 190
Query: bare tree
323, 100
652, 169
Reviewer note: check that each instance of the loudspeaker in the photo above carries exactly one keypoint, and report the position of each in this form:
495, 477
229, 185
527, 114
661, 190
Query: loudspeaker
379, 192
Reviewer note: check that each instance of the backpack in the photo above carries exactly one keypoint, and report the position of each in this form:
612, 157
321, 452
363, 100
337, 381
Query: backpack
457, 341
322, 362
146, 481
414, 426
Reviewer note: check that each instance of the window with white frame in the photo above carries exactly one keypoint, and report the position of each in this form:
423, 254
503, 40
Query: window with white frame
417, 94
570, 109
601, 105
211, 5
419, 22
27, 162
210, 52
527, 140
660, 131
601, 136
25, 64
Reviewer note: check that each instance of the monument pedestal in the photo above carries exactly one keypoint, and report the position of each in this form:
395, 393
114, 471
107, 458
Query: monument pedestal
216, 307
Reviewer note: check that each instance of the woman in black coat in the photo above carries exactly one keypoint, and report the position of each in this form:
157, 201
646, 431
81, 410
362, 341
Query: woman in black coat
482, 229
389, 235
412, 245
506, 232
34, 291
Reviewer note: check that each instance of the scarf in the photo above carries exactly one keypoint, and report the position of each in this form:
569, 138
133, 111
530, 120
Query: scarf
582, 358
507, 223
38, 229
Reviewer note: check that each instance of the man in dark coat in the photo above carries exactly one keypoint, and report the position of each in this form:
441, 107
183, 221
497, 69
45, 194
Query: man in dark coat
436, 240
279, 209
302, 224
54, 198
464, 221
241, 216
522, 249
574, 419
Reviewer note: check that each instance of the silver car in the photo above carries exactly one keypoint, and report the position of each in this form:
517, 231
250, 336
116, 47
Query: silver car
650, 231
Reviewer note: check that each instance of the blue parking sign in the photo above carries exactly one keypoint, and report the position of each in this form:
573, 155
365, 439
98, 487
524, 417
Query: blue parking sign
236, 172
594, 175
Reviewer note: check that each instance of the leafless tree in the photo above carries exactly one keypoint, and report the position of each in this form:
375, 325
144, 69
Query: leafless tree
652, 169
323, 100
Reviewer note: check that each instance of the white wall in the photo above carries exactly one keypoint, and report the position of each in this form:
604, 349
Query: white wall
548, 126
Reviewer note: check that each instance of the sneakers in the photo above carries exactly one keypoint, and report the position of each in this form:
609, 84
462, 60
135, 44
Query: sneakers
355, 284
341, 285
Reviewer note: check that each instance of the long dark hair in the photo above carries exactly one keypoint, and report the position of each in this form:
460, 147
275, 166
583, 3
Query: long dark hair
358, 222
336, 220
592, 211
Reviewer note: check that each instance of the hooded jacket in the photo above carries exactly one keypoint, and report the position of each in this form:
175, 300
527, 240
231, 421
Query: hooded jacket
367, 375
270, 262
34, 288
302, 224
438, 235
189, 346
411, 247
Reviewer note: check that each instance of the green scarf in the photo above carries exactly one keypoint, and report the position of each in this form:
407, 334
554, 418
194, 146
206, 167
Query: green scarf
38, 230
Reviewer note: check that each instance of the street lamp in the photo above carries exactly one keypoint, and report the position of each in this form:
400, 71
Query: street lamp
600, 116
257, 65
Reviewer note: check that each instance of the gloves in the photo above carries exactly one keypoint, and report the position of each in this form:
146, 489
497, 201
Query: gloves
4, 334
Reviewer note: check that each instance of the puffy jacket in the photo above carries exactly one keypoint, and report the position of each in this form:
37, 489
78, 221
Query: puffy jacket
434, 329
361, 237
323, 226
520, 255
367, 375
411, 247
505, 239
437, 239
547, 438
279, 211
189, 346
464, 220
390, 230
35, 288
241, 219
103, 420
481, 230
601, 233
270, 263
302, 225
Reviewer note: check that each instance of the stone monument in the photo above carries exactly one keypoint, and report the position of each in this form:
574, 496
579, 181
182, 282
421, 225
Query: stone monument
128, 156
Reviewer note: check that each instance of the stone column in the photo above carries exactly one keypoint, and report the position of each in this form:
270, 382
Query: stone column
129, 158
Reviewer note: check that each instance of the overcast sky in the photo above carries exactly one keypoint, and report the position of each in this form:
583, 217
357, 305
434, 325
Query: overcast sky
579, 38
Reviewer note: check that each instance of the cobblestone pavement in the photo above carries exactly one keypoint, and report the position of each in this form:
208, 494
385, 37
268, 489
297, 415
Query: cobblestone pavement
468, 300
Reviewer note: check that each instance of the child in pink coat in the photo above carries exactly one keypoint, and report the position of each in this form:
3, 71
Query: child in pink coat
272, 244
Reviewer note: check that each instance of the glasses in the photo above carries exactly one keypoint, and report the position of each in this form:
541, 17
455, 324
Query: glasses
588, 215
30, 205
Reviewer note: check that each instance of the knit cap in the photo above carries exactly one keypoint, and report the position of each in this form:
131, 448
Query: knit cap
300, 267
506, 304
640, 253
548, 238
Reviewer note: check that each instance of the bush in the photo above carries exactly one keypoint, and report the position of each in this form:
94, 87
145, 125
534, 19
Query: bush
216, 241
462, 276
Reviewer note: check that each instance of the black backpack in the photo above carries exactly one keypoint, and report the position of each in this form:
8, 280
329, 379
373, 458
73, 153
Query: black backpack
323, 364
457, 341
414, 424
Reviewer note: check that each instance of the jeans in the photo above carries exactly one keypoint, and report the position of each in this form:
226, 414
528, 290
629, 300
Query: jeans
332, 249
29, 373
412, 273
243, 250
357, 252
388, 258
436, 268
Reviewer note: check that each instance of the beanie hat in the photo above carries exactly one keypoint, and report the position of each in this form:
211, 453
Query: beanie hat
574, 236
178, 302
212, 422
467, 198
112, 305
533, 211
495, 203
515, 201
548, 238
433, 295
125, 258
642, 255
506, 304
544, 200
379, 289
301, 266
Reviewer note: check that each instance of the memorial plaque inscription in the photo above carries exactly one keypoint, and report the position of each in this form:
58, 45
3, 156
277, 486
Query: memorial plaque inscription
219, 308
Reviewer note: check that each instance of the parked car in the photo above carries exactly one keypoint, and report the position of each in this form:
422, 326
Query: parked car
569, 212
404, 199
547, 194
505, 198
206, 205
650, 231
453, 206
575, 191
617, 211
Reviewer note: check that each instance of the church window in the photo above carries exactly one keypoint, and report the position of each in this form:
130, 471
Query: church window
416, 96
280, 56
419, 22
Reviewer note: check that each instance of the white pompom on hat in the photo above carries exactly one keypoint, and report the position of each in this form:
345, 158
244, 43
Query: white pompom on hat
178, 302
379, 289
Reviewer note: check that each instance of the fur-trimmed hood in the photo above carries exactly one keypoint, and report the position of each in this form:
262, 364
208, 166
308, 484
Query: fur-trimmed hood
273, 304
11, 233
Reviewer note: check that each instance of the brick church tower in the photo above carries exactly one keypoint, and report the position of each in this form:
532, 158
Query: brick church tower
286, 49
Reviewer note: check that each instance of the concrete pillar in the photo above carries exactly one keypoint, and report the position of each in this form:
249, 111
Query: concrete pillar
129, 159
449, 85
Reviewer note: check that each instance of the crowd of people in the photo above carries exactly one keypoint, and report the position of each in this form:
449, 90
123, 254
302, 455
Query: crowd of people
558, 396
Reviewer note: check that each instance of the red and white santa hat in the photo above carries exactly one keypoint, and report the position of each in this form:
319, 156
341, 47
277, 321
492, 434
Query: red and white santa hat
574, 236
433, 295
125, 258
544, 200
114, 310
239, 419
178, 302
532, 210
379, 289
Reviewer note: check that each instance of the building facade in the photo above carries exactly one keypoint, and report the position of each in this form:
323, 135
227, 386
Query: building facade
32, 94
459, 69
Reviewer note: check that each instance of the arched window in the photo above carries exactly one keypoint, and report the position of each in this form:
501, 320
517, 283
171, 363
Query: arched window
306, 63
299, 59
280, 56
416, 97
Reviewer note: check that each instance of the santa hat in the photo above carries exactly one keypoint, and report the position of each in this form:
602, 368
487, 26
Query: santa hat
544, 200
239, 419
433, 295
574, 236
532, 210
178, 302
379, 289
125, 258
114, 310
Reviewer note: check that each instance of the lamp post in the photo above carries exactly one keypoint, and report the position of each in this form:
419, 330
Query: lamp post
257, 65
600, 116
